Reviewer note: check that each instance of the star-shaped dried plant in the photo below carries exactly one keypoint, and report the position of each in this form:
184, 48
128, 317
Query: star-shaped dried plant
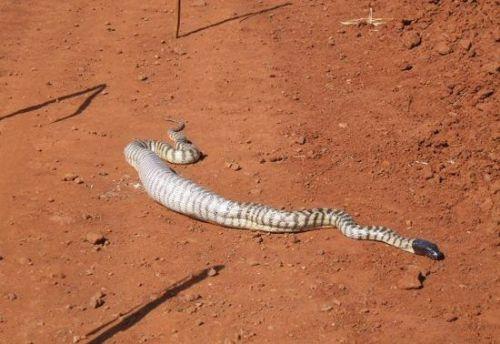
368, 20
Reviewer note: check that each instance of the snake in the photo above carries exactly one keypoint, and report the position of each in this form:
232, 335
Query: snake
186, 197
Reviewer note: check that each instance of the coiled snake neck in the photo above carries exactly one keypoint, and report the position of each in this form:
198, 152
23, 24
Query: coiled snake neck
186, 197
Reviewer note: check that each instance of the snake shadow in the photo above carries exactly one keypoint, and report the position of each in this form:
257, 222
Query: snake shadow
96, 90
133, 318
241, 16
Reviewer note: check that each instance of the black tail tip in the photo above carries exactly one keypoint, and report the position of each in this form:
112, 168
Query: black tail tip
427, 248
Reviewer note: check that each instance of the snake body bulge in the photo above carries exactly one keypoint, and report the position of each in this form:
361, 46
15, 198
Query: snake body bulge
185, 196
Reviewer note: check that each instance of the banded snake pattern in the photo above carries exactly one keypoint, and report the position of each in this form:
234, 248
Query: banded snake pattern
187, 197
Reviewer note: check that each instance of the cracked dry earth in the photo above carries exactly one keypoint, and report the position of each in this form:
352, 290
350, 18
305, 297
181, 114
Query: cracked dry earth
397, 124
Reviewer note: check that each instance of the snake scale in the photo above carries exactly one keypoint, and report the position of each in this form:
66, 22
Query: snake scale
185, 196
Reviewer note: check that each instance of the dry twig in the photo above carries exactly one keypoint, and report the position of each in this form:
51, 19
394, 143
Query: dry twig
368, 20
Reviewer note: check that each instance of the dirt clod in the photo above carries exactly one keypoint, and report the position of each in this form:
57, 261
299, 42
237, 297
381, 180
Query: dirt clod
233, 166
443, 48
69, 177
11, 296
411, 39
97, 300
412, 278
95, 238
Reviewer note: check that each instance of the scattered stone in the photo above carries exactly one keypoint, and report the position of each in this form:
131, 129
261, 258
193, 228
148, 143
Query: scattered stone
95, 238
326, 308
192, 297
428, 173
252, 262
79, 180
200, 322
97, 300
450, 317
233, 166
411, 39
412, 278
331, 41
212, 272
25, 261
11, 296
405, 66
465, 44
142, 77
443, 48
301, 140
69, 177
276, 158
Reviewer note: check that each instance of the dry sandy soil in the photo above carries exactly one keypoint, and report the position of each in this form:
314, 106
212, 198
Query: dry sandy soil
397, 124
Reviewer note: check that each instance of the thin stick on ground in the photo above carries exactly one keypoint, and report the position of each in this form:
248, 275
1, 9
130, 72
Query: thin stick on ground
178, 19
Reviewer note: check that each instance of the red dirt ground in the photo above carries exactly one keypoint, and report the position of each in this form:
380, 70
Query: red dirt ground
315, 113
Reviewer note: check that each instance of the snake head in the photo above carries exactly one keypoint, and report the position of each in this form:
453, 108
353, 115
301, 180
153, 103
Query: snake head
427, 248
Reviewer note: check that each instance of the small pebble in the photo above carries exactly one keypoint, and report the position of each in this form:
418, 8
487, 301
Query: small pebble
276, 158
11, 296
326, 308
451, 317
427, 171
25, 261
411, 39
68, 177
301, 140
443, 48
142, 77
95, 238
212, 272
78, 180
412, 278
233, 166
465, 44
405, 66
97, 300
252, 262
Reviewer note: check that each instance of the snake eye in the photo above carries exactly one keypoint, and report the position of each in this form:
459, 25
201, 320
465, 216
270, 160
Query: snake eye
427, 248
